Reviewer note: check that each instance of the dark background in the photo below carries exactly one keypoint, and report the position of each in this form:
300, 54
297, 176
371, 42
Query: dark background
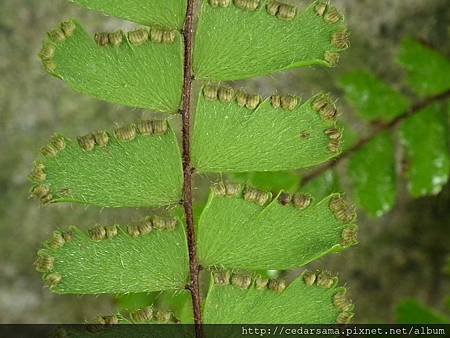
400, 255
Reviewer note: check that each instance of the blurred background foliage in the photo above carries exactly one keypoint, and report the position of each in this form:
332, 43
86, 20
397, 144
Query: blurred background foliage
400, 270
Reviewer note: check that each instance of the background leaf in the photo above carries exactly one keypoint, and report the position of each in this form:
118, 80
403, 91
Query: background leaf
270, 181
425, 137
135, 301
235, 233
372, 98
233, 43
413, 312
146, 76
230, 138
372, 171
145, 172
323, 185
123, 264
155, 12
297, 304
427, 69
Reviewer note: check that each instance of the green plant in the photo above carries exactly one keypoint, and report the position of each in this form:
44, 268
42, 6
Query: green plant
411, 311
241, 230
374, 160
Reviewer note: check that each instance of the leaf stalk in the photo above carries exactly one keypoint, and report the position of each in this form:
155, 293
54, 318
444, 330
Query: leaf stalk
193, 286
413, 110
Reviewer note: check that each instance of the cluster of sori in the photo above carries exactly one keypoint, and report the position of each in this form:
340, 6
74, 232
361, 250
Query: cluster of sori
151, 223
228, 94
275, 8
45, 263
286, 102
323, 104
150, 313
324, 279
346, 213
144, 315
56, 144
40, 190
237, 190
136, 37
339, 40
349, 236
342, 209
335, 137
298, 200
123, 134
329, 13
102, 232
281, 10
57, 35
244, 280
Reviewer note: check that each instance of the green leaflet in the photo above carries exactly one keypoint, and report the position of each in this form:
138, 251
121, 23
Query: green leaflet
236, 233
147, 76
349, 136
155, 12
427, 69
413, 312
425, 138
298, 303
372, 98
152, 262
372, 170
144, 172
230, 138
233, 43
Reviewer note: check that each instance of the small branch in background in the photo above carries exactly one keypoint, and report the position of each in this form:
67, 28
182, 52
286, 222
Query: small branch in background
193, 286
413, 110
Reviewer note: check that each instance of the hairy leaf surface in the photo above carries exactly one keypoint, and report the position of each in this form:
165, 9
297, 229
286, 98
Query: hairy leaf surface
372, 170
155, 12
145, 172
145, 76
235, 233
372, 98
297, 304
235, 44
427, 69
230, 138
123, 264
425, 137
